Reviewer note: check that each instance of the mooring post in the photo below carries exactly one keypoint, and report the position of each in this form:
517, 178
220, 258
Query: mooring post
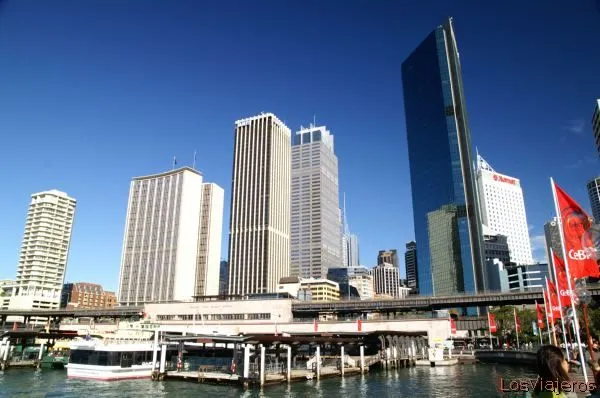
246, 361
155, 351
342, 359
318, 362
262, 364
362, 358
163, 358
289, 363
40, 355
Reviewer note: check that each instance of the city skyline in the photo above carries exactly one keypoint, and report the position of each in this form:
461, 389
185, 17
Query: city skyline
107, 123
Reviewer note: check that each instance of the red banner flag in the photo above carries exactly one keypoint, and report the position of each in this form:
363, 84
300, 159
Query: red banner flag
563, 284
517, 322
579, 246
452, 326
359, 325
492, 323
547, 306
554, 300
316, 325
540, 315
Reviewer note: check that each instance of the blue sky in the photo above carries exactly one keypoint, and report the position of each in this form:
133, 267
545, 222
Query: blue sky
93, 93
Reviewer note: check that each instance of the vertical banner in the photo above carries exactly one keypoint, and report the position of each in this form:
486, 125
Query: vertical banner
578, 245
540, 315
492, 323
452, 326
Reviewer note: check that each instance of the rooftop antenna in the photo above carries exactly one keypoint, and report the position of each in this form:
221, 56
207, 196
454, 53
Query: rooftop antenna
314, 120
174, 162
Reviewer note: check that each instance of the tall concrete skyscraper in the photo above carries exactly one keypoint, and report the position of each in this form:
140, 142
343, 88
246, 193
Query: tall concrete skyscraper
503, 210
444, 195
412, 271
593, 187
171, 238
315, 237
209, 244
44, 251
259, 232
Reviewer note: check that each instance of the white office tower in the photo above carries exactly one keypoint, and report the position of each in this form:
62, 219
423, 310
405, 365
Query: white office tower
315, 237
354, 257
386, 281
259, 232
503, 210
163, 242
208, 268
44, 252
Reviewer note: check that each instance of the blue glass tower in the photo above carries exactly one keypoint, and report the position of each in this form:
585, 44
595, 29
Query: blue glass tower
447, 219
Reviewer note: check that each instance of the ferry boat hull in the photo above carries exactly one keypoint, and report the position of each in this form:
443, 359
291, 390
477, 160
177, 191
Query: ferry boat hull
108, 373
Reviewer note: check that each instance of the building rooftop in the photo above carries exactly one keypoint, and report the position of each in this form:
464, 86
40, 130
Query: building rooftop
170, 172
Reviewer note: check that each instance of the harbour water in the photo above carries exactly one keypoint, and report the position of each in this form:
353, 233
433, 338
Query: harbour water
480, 380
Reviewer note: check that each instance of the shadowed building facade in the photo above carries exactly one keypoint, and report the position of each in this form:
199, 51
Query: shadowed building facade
444, 195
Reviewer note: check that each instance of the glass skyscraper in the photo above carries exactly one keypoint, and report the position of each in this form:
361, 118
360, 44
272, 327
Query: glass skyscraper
447, 218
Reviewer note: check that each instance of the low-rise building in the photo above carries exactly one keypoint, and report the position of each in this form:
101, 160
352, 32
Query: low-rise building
309, 288
86, 295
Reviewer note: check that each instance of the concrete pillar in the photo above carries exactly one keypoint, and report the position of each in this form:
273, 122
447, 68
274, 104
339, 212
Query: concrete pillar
262, 365
362, 358
41, 352
342, 360
289, 363
155, 350
6, 350
318, 359
246, 361
163, 358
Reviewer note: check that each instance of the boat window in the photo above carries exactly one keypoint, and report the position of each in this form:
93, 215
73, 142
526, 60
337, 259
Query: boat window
80, 356
139, 357
126, 359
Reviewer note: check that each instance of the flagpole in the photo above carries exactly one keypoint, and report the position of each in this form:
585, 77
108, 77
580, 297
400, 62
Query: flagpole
547, 321
516, 327
566, 260
562, 318
551, 312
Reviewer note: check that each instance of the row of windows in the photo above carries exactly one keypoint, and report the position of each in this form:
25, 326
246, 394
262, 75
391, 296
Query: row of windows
214, 317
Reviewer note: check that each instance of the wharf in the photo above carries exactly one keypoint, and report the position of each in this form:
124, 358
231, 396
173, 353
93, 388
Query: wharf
248, 360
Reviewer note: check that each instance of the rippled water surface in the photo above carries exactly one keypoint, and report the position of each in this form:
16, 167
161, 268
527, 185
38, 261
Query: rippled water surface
457, 381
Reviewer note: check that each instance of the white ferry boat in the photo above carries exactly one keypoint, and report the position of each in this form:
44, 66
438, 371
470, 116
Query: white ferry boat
113, 358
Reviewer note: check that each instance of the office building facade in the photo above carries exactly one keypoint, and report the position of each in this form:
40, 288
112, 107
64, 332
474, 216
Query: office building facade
386, 281
44, 251
412, 270
440, 159
315, 219
168, 233
388, 256
223, 278
503, 210
496, 246
83, 295
593, 187
208, 268
259, 232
